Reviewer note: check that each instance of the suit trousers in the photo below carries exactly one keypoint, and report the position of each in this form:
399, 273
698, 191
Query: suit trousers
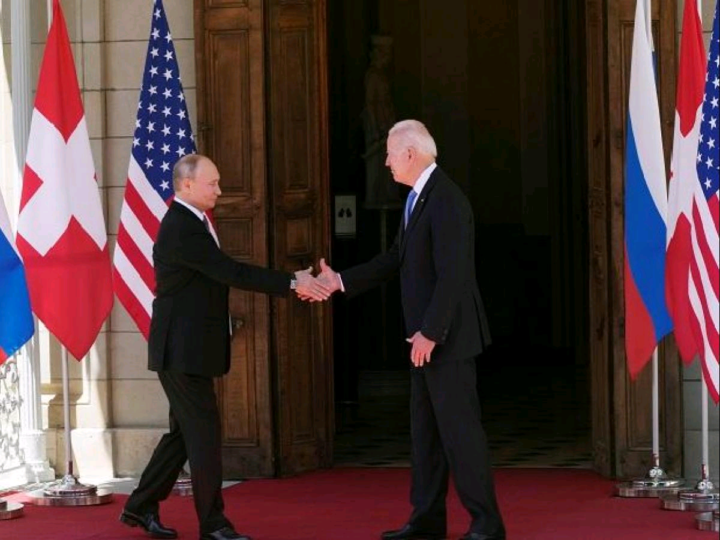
195, 436
448, 437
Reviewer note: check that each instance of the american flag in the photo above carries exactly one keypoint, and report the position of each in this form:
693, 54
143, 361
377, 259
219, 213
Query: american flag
705, 270
162, 135
692, 273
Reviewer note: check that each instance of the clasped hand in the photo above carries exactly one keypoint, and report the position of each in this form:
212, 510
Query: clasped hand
316, 288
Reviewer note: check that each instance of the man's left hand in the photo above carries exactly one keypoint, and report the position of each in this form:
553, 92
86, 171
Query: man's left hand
422, 348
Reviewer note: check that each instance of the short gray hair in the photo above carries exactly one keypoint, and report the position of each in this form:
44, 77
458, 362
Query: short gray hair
412, 133
185, 167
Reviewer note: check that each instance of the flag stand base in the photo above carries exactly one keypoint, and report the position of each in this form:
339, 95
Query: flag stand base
655, 484
703, 498
183, 485
70, 492
708, 521
10, 510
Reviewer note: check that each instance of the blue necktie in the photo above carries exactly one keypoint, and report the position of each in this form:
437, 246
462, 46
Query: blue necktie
409, 206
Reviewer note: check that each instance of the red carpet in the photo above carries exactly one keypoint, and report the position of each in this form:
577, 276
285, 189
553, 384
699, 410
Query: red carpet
357, 504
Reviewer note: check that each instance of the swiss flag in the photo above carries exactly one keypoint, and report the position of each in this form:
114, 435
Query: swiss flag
693, 272
61, 230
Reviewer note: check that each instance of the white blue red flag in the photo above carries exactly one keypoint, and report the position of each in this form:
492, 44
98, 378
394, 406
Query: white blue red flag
61, 228
693, 276
16, 322
162, 136
646, 317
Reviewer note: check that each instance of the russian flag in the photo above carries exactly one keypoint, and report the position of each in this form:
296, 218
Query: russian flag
646, 316
16, 322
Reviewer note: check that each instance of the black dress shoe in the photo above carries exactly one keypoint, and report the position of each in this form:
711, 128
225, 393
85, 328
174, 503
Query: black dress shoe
226, 533
478, 536
150, 522
410, 532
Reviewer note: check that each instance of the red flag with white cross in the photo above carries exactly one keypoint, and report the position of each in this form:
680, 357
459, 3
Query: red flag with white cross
61, 229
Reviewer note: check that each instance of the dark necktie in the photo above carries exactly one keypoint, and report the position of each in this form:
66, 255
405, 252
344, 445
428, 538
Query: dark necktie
409, 206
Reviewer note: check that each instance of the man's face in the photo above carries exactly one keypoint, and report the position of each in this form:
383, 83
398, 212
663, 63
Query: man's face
203, 191
400, 160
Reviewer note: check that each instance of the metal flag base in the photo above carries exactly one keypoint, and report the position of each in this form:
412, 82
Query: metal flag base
70, 492
703, 498
10, 510
655, 484
183, 485
708, 521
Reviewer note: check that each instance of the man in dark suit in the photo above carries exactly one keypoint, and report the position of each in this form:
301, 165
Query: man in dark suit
446, 325
189, 344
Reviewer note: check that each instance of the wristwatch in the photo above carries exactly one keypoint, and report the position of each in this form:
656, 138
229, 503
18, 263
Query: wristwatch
293, 284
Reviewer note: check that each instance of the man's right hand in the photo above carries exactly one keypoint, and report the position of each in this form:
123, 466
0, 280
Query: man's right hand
328, 277
310, 288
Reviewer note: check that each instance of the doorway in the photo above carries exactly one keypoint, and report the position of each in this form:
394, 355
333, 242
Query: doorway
498, 86
529, 121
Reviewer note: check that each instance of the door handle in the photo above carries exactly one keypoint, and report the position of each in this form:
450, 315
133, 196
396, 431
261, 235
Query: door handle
237, 323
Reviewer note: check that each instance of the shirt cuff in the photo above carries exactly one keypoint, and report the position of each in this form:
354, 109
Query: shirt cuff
342, 285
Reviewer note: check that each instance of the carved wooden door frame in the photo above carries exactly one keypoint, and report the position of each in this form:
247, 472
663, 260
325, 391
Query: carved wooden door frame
620, 407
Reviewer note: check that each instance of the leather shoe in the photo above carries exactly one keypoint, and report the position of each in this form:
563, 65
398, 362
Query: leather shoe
150, 522
226, 533
410, 532
478, 536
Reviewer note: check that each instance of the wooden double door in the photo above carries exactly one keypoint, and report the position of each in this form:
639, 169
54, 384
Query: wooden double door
262, 118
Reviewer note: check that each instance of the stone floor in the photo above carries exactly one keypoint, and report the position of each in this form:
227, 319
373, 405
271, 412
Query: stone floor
539, 418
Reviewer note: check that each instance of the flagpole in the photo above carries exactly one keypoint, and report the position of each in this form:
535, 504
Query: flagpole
66, 415
656, 482
69, 491
655, 412
704, 497
705, 474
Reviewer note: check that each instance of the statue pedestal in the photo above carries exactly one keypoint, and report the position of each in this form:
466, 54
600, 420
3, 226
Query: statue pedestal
383, 210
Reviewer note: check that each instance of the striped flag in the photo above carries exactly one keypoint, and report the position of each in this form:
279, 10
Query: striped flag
646, 318
61, 228
162, 136
693, 277
16, 322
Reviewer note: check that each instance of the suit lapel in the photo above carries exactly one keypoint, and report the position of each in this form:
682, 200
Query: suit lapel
420, 205
182, 209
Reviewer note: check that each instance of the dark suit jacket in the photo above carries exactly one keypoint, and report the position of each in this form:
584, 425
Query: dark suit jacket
435, 256
189, 330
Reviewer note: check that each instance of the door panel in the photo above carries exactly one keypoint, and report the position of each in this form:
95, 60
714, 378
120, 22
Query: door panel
262, 116
298, 166
229, 57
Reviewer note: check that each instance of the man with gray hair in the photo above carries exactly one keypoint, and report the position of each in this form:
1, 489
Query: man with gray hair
434, 253
189, 345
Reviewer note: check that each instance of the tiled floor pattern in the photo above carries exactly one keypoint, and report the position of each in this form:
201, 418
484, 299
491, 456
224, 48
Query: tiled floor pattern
545, 423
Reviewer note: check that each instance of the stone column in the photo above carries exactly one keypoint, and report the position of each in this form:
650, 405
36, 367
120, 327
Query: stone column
32, 437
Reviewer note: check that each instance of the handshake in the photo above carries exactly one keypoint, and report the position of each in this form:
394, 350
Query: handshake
317, 288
